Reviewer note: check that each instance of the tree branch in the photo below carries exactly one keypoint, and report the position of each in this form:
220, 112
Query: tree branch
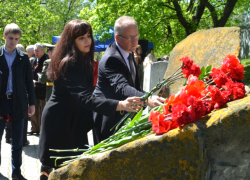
169, 7
212, 11
190, 6
199, 12
226, 13
156, 24
184, 23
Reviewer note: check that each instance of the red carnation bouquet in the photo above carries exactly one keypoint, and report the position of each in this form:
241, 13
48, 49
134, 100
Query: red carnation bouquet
205, 89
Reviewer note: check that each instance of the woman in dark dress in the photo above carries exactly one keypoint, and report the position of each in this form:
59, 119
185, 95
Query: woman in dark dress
67, 116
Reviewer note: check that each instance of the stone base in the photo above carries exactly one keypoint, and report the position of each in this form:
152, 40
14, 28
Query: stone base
215, 147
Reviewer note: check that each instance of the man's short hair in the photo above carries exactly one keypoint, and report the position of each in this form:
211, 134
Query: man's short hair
121, 21
30, 48
41, 46
12, 28
20, 47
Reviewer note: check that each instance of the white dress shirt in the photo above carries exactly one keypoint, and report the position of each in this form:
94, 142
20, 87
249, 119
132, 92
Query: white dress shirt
125, 56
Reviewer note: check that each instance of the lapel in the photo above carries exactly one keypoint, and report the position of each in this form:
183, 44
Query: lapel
2, 58
19, 56
119, 56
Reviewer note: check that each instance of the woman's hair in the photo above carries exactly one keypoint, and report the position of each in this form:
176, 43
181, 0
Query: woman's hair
66, 53
138, 47
138, 55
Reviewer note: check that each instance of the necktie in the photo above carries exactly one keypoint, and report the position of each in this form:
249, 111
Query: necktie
130, 59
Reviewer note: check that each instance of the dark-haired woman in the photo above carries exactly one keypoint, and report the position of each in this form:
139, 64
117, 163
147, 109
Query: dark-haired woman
67, 116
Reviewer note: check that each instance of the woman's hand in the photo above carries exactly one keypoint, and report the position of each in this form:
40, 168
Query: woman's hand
131, 104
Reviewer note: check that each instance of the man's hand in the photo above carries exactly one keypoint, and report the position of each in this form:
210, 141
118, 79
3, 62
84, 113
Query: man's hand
131, 104
34, 82
31, 110
155, 101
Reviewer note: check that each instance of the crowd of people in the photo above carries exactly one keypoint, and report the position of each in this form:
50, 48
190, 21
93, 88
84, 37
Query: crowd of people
65, 92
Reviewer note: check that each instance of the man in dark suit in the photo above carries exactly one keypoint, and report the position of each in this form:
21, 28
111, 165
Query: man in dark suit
118, 75
40, 89
14, 102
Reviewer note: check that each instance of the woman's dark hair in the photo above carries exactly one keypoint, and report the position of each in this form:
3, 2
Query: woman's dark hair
66, 53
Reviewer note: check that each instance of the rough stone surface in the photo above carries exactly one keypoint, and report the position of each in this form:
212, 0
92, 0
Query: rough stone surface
206, 47
215, 147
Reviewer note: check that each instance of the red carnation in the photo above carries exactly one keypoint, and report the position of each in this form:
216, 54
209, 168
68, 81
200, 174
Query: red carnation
182, 115
198, 109
193, 70
7, 118
219, 77
153, 115
217, 97
208, 106
232, 66
187, 62
159, 126
196, 70
235, 90
193, 88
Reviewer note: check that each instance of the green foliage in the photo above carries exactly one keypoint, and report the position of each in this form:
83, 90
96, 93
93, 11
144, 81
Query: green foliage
161, 22
246, 64
39, 20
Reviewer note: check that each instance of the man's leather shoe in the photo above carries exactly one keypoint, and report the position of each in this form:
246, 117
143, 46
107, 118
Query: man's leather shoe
18, 177
26, 143
30, 132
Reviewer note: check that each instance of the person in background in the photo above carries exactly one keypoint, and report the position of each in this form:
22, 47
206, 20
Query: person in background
118, 76
17, 82
8, 126
31, 53
139, 65
40, 89
68, 115
20, 46
42, 78
150, 58
166, 58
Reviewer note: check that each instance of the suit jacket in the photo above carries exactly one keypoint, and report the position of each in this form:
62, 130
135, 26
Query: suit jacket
40, 89
67, 116
114, 82
22, 83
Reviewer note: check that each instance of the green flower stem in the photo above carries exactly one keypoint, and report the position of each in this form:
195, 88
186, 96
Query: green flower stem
69, 150
66, 157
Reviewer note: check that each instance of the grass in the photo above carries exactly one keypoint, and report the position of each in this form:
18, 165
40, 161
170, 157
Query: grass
246, 64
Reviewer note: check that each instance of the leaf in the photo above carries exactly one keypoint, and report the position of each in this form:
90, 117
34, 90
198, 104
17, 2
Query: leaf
209, 68
203, 72
185, 81
136, 118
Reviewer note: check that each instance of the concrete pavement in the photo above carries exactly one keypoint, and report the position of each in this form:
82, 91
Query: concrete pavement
31, 165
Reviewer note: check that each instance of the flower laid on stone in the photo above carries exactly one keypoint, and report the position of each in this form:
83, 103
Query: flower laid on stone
205, 89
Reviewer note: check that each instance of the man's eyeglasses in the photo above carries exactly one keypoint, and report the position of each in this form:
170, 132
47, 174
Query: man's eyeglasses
131, 38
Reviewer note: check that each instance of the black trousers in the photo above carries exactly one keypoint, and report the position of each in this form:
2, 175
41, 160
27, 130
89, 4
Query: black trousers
25, 127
